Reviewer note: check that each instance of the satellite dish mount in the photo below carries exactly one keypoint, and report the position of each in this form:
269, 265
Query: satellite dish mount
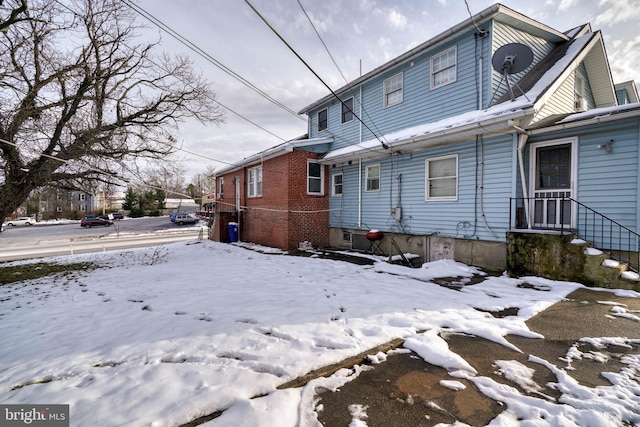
511, 59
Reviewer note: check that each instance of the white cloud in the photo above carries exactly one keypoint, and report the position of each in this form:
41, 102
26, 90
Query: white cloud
616, 11
624, 58
565, 4
397, 20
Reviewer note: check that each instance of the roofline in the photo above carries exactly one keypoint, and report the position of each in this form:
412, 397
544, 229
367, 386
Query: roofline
480, 18
633, 111
273, 152
494, 126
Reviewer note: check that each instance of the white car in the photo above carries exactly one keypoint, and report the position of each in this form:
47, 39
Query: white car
23, 220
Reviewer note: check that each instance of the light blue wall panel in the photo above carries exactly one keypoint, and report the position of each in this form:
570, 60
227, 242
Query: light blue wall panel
420, 105
403, 184
607, 182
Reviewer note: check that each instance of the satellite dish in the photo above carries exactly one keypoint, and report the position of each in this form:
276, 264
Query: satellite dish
510, 59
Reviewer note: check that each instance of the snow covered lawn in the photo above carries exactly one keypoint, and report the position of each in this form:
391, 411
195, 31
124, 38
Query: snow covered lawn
161, 336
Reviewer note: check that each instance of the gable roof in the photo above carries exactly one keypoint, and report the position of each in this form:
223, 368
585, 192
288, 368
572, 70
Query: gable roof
314, 145
507, 116
632, 90
497, 12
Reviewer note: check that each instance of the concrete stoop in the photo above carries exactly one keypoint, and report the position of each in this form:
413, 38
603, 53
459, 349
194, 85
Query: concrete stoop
606, 272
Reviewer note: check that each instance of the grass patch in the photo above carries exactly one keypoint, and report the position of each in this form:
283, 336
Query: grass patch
18, 273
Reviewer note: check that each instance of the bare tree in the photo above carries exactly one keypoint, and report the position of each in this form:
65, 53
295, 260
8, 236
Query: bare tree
16, 9
81, 102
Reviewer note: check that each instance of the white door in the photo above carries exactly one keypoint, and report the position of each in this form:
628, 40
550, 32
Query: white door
553, 167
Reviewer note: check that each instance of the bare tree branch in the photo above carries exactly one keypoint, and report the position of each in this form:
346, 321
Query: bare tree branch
80, 98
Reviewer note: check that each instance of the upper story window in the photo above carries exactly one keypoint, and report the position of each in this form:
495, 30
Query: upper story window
347, 110
393, 90
336, 185
315, 178
255, 181
220, 186
373, 178
443, 68
442, 178
322, 119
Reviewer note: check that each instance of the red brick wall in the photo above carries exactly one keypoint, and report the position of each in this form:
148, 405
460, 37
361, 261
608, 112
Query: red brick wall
267, 219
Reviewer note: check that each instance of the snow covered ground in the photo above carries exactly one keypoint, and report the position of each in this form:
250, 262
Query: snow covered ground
161, 336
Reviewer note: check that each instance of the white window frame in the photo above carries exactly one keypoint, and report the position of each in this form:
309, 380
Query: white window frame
342, 112
326, 111
321, 178
335, 185
390, 88
254, 181
427, 196
220, 187
446, 68
368, 187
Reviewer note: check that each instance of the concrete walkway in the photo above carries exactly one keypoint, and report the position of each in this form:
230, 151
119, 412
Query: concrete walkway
405, 391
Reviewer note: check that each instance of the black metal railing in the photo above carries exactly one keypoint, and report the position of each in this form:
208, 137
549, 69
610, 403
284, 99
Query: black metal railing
567, 215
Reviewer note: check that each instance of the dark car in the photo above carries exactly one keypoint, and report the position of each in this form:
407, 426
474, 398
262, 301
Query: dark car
113, 215
95, 222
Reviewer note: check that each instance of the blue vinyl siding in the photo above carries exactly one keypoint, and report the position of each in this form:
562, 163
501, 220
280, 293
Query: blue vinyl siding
607, 182
446, 218
421, 104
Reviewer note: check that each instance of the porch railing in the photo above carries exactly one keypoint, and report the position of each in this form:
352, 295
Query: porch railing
228, 204
567, 215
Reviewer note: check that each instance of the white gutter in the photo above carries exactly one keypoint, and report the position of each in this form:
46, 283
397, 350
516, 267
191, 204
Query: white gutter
495, 126
605, 118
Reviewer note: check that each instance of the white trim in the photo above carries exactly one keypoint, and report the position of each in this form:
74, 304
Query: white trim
253, 190
353, 113
572, 189
333, 185
432, 84
315, 193
427, 196
385, 92
366, 176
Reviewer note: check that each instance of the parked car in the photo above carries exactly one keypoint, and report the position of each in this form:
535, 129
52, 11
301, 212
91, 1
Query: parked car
23, 220
113, 215
176, 214
95, 222
182, 219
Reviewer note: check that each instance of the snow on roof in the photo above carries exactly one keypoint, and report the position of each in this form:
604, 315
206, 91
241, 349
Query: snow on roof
479, 121
601, 112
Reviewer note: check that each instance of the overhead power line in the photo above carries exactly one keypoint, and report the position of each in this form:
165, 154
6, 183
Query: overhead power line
326, 48
208, 57
335, 95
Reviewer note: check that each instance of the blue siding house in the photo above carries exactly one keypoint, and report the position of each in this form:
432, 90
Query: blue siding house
433, 150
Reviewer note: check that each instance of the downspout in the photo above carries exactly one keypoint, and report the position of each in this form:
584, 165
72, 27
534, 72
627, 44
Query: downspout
360, 164
522, 141
360, 193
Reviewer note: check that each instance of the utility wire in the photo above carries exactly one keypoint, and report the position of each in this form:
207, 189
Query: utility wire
338, 67
208, 57
313, 71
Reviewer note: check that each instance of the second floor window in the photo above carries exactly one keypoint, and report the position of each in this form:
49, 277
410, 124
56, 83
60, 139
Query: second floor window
220, 187
347, 110
322, 120
255, 182
315, 178
443, 68
373, 178
393, 90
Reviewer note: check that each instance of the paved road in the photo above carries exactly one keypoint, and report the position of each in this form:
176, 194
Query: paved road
64, 239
